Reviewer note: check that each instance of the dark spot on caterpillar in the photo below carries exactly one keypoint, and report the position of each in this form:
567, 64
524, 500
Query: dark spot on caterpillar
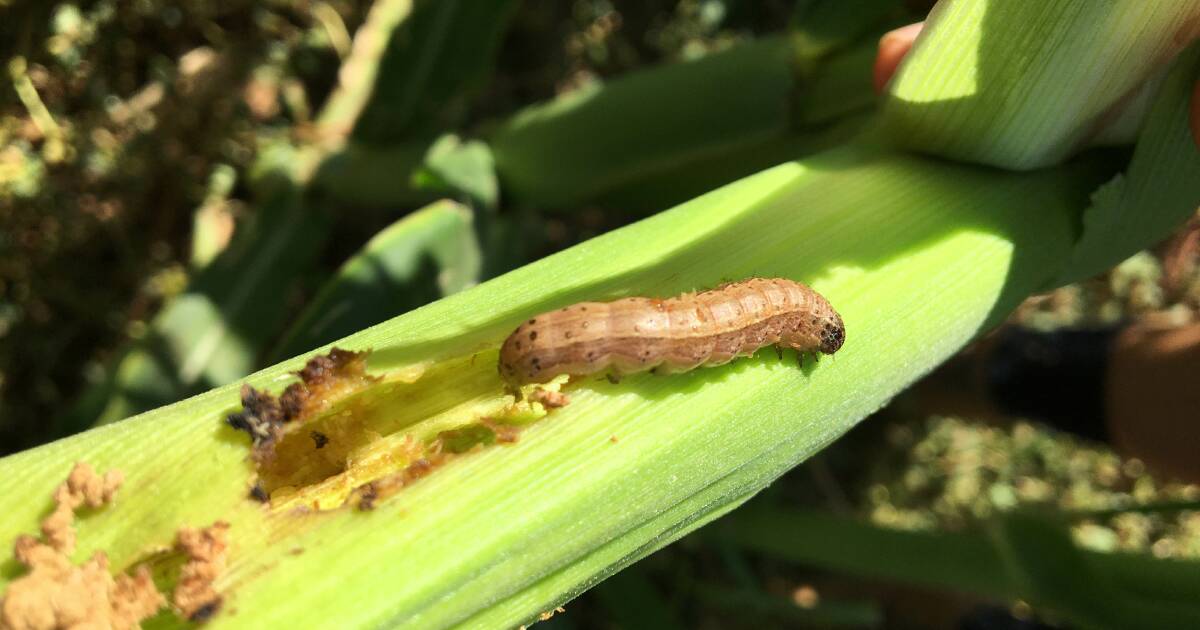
205, 612
319, 439
532, 335
532, 321
567, 334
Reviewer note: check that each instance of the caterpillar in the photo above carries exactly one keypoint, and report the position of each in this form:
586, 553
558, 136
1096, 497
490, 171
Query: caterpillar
673, 335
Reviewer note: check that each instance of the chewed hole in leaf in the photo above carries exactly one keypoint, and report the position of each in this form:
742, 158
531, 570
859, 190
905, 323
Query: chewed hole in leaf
341, 434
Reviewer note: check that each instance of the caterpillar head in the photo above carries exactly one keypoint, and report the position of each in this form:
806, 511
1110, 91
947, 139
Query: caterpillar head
833, 334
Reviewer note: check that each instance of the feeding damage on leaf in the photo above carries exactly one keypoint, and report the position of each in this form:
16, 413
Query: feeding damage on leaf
343, 436
447, 445
324, 378
55, 593
194, 596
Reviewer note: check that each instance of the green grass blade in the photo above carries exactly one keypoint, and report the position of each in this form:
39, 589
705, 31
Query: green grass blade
1019, 556
646, 123
663, 135
823, 27
690, 179
426, 255
366, 175
946, 560
359, 75
838, 88
433, 61
464, 168
409, 174
1047, 568
830, 107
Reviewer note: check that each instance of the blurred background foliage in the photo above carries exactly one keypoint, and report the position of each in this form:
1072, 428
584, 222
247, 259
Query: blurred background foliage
192, 190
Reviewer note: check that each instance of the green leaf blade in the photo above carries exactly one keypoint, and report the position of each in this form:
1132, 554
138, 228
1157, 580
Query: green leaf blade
919, 256
426, 255
1023, 85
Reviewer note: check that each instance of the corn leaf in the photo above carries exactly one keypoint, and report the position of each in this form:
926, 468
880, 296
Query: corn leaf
432, 64
466, 168
426, 255
1025, 84
1042, 562
1016, 556
918, 255
821, 28
646, 123
407, 174
366, 175
1158, 191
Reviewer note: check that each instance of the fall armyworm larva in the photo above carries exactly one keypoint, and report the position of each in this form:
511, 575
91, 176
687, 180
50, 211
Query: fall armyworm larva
672, 335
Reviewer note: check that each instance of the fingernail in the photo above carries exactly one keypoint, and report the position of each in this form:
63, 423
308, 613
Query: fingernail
893, 46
